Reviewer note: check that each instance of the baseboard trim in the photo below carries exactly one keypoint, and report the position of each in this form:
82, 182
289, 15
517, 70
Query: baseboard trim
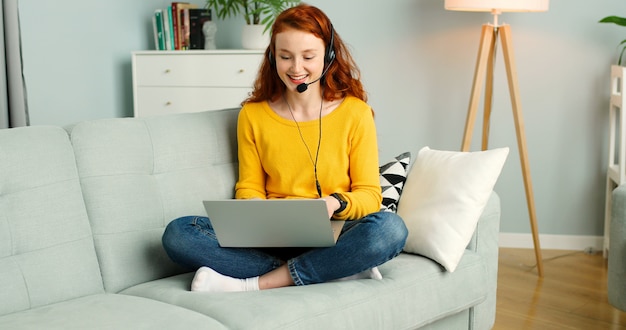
552, 242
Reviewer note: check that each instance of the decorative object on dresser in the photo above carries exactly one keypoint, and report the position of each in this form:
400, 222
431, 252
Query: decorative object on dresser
209, 29
175, 82
254, 37
484, 69
258, 14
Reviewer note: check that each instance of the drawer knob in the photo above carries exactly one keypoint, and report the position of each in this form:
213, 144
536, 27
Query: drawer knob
241, 70
167, 71
168, 103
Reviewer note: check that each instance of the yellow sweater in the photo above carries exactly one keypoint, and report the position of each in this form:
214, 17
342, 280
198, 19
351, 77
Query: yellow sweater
274, 161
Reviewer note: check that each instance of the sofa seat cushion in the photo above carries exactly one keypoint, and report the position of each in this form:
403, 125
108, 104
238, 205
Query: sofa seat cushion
414, 291
108, 311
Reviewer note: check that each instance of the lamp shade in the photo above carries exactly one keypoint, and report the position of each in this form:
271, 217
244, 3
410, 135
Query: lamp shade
499, 5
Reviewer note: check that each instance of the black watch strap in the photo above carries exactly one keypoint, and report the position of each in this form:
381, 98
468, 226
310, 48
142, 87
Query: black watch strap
342, 202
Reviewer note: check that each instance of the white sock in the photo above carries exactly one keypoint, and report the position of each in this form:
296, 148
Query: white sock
372, 273
208, 280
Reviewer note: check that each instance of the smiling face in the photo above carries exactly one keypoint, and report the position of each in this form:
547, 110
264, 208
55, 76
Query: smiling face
299, 57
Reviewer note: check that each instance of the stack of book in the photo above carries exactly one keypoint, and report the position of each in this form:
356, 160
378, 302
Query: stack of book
179, 26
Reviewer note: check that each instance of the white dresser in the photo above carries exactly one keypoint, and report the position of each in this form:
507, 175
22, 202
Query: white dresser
167, 82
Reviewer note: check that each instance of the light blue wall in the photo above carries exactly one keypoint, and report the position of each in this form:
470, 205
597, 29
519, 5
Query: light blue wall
76, 56
417, 62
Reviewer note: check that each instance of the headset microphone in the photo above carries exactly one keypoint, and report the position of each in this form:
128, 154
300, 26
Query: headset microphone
302, 87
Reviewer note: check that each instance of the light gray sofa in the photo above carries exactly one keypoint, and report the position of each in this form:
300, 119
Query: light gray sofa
616, 285
82, 211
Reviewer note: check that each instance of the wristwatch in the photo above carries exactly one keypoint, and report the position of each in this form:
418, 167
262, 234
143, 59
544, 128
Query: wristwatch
342, 202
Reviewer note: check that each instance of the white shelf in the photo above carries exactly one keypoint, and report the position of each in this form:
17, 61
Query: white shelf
616, 172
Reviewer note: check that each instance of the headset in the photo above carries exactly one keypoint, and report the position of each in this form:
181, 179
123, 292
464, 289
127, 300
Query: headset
329, 54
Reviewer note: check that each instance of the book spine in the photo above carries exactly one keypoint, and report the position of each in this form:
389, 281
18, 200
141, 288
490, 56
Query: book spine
158, 17
185, 21
166, 30
161, 37
176, 24
171, 27
155, 33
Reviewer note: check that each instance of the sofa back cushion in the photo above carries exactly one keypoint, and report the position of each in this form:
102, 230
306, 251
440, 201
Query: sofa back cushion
46, 247
138, 174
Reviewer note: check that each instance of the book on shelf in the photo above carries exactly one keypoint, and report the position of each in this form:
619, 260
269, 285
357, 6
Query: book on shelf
179, 26
171, 27
178, 13
157, 25
166, 30
175, 22
155, 33
184, 18
197, 17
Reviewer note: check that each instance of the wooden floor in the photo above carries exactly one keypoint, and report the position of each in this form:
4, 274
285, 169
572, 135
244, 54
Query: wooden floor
571, 295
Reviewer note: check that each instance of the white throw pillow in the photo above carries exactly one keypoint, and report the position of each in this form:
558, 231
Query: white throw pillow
443, 197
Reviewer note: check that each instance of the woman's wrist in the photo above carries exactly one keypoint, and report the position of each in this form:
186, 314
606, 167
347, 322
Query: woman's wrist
342, 202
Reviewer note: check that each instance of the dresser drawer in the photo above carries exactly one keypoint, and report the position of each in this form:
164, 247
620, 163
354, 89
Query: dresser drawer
151, 101
190, 70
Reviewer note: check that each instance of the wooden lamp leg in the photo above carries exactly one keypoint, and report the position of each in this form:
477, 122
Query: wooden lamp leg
509, 61
489, 91
485, 51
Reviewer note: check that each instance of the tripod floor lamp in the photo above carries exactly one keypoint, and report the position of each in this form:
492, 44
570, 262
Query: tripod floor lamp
483, 75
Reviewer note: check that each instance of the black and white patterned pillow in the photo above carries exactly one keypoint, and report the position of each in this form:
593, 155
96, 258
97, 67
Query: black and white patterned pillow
392, 178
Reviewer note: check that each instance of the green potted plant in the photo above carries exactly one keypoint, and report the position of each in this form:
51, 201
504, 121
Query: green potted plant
259, 16
622, 22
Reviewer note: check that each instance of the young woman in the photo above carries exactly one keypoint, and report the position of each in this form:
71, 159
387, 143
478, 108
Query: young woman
306, 131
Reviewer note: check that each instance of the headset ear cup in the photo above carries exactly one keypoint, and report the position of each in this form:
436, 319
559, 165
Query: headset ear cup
329, 57
270, 57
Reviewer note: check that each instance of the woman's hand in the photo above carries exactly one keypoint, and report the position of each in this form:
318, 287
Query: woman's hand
332, 205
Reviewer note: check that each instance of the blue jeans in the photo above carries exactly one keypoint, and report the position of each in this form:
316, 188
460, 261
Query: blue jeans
363, 244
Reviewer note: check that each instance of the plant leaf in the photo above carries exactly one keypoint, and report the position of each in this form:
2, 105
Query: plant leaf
614, 19
253, 11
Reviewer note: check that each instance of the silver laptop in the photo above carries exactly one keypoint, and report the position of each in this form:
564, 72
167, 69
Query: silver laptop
272, 223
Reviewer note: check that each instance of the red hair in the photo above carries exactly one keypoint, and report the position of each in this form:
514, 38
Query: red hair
343, 76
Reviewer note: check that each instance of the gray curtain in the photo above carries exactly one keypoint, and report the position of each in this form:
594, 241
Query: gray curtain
13, 106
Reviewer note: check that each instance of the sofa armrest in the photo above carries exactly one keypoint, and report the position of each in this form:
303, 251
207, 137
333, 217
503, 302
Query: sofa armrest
485, 243
616, 285
485, 238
